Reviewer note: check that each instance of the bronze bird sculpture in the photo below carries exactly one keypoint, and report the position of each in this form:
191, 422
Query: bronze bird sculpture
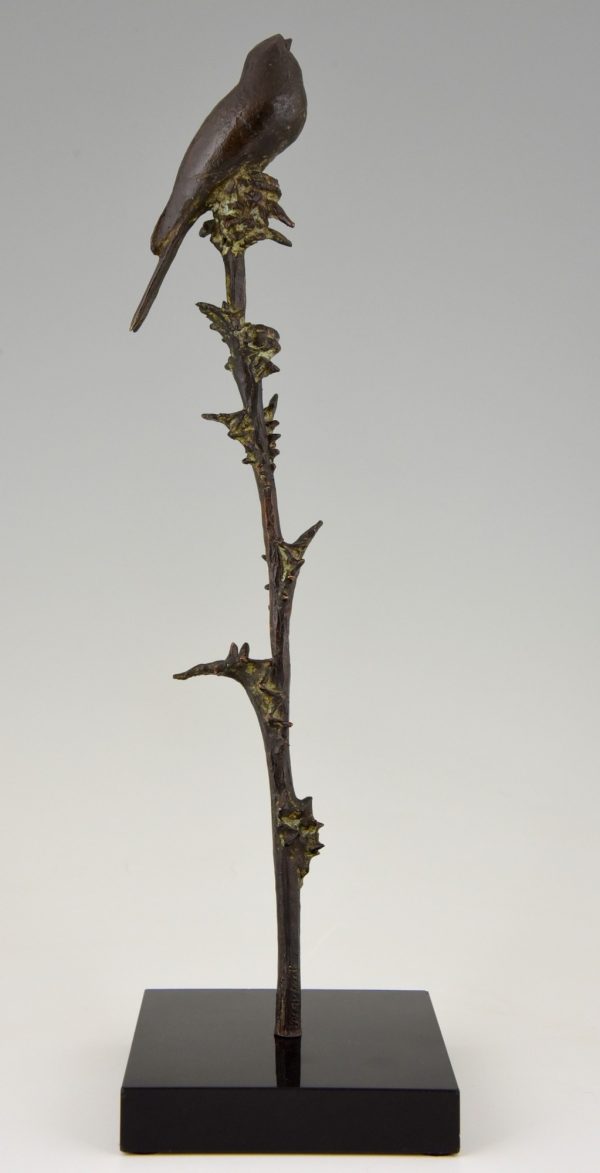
253, 123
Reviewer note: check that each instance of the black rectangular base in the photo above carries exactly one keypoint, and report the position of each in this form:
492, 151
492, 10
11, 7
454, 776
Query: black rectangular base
370, 1075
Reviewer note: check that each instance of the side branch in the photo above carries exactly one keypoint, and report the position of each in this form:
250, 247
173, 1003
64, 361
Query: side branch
240, 427
258, 679
224, 667
296, 828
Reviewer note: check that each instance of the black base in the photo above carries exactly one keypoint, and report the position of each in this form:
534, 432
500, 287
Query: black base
370, 1075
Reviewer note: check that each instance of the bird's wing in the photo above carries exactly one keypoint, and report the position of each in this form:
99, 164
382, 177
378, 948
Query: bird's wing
228, 137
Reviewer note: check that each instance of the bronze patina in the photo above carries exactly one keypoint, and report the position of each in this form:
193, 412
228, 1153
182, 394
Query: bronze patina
253, 123
223, 172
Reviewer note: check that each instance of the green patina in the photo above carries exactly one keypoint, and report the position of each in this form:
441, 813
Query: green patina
299, 833
240, 426
255, 343
242, 207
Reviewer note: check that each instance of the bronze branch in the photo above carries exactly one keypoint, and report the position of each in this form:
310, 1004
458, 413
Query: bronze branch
241, 209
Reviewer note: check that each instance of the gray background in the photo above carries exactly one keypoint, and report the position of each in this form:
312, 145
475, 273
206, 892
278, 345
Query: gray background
439, 410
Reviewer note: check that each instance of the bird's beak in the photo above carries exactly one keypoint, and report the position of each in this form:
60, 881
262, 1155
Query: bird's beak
288, 42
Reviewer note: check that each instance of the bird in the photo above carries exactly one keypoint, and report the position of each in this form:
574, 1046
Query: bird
261, 116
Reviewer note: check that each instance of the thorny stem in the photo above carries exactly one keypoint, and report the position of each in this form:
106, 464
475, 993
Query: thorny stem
287, 881
267, 682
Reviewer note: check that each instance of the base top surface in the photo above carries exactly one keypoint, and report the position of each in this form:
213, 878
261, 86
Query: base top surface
350, 1039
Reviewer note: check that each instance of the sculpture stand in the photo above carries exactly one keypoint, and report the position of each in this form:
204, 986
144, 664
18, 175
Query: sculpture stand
338, 1071
370, 1075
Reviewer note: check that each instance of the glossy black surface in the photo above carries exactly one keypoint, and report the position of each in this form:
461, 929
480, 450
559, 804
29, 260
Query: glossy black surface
371, 1074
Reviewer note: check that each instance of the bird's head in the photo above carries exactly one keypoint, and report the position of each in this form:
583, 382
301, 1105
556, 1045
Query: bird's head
273, 53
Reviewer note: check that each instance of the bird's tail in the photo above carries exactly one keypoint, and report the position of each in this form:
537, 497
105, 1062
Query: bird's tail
164, 262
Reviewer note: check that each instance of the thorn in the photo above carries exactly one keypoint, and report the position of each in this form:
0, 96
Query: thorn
278, 237
278, 214
266, 182
233, 652
244, 651
308, 535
